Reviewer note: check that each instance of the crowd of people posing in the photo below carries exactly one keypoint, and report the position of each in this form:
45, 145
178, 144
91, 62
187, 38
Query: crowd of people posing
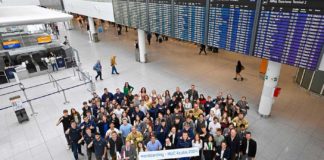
118, 126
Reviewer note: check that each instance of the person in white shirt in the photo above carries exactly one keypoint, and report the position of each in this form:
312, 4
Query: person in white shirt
111, 130
197, 142
187, 105
143, 107
118, 111
216, 111
213, 126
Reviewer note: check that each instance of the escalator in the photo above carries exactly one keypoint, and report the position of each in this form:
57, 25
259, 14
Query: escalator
37, 57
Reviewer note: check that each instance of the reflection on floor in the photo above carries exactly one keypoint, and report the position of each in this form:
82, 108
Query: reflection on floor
294, 131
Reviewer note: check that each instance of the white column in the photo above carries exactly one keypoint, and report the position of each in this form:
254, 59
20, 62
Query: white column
270, 83
92, 28
141, 45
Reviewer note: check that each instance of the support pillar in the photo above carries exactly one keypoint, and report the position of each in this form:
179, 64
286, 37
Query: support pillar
93, 35
270, 83
141, 45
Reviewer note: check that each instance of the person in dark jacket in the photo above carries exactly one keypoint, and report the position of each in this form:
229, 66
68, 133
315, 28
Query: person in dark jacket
239, 68
74, 134
86, 108
249, 147
103, 126
192, 94
107, 96
162, 131
88, 137
233, 143
149, 37
184, 142
223, 153
115, 144
178, 95
119, 96
202, 49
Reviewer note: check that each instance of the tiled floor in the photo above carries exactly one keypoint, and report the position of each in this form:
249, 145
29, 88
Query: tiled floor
294, 131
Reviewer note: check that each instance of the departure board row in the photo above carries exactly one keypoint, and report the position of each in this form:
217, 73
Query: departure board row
231, 24
291, 33
285, 31
138, 15
189, 20
160, 12
120, 12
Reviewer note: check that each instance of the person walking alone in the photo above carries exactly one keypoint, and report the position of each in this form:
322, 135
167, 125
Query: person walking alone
113, 65
98, 68
239, 68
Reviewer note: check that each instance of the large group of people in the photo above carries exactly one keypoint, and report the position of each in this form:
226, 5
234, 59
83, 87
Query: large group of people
120, 125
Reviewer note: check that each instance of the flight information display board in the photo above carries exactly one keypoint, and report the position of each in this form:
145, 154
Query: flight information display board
120, 11
291, 32
189, 20
160, 13
138, 16
231, 24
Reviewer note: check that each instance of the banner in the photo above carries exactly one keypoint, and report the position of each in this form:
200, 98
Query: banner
169, 154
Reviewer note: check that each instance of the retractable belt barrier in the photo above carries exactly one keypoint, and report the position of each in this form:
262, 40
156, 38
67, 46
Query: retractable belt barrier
29, 100
30, 86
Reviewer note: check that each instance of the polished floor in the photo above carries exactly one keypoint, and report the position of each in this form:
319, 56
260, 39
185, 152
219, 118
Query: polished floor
294, 131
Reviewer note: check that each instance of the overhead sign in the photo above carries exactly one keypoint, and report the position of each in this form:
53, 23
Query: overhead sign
44, 39
169, 154
11, 44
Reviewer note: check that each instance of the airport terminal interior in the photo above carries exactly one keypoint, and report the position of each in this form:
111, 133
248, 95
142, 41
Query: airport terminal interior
283, 84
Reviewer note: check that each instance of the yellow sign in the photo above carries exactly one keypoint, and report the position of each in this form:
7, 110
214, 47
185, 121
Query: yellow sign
44, 39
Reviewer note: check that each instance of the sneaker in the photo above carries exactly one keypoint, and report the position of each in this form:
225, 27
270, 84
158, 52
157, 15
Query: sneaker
242, 79
68, 147
81, 154
235, 78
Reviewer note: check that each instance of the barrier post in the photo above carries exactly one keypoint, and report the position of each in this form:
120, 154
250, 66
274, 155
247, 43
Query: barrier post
65, 100
22, 87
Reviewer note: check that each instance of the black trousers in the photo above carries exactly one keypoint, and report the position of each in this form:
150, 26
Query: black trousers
98, 75
89, 152
202, 50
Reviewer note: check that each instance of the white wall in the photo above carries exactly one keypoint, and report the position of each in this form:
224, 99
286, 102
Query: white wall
101, 10
19, 2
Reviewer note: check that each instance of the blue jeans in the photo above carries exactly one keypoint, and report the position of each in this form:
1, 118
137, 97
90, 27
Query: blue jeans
114, 70
75, 149
54, 66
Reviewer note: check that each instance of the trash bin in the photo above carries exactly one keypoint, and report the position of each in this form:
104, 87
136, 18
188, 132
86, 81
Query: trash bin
95, 37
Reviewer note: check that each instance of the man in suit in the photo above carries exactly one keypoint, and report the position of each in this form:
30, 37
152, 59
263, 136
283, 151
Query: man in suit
233, 143
128, 152
249, 147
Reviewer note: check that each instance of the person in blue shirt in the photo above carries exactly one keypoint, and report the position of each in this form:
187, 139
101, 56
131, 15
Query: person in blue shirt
88, 137
125, 129
99, 146
103, 126
87, 124
153, 144
153, 112
97, 67
188, 130
119, 96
